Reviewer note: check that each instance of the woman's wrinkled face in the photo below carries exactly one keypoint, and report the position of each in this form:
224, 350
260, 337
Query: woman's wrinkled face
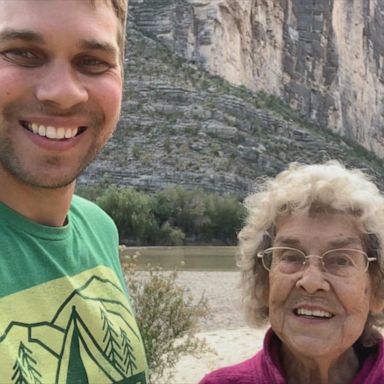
317, 314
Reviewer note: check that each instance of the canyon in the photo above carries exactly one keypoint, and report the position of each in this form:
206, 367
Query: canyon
219, 93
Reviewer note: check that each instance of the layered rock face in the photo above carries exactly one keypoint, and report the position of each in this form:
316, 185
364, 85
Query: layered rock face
182, 126
323, 57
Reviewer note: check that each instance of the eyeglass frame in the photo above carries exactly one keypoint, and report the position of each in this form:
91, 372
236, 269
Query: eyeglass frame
260, 255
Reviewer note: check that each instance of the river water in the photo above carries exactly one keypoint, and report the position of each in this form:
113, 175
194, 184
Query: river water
188, 258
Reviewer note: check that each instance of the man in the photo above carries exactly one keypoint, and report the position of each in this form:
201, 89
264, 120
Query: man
64, 313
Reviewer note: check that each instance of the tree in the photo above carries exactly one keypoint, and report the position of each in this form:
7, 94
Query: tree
24, 367
129, 359
226, 217
110, 339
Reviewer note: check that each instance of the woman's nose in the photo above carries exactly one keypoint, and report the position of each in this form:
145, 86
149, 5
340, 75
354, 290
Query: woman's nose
312, 277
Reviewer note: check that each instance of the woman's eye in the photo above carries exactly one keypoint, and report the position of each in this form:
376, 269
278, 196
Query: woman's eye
339, 260
291, 257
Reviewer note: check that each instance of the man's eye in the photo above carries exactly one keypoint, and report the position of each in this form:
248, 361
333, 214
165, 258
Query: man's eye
92, 65
23, 57
19, 53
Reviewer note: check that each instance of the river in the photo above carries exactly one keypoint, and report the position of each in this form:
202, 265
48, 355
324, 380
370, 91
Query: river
188, 258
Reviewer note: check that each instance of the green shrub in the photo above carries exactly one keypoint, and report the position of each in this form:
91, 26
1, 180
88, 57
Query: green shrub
170, 235
91, 192
184, 209
131, 211
136, 151
226, 216
167, 317
174, 216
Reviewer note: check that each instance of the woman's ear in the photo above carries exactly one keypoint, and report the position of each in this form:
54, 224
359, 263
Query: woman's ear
264, 296
376, 304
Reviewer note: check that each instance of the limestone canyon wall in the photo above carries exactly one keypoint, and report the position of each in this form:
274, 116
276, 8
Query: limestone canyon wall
323, 57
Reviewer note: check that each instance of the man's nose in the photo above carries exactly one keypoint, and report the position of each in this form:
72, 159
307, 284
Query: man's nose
60, 84
312, 277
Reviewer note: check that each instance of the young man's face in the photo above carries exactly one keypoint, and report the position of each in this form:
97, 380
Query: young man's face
60, 87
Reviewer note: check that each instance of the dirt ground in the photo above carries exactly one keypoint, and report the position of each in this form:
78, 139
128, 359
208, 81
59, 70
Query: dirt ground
224, 330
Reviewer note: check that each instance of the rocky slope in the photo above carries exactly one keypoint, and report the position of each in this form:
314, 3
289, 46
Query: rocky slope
183, 126
324, 58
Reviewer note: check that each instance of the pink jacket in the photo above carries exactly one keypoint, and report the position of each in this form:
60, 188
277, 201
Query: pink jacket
264, 367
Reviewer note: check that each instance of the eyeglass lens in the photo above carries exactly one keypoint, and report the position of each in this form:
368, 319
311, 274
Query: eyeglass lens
340, 262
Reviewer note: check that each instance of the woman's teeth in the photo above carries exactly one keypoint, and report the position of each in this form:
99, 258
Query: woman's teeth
313, 313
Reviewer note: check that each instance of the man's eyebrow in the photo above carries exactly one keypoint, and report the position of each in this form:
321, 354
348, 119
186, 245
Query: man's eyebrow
21, 34
98, 45
33, 37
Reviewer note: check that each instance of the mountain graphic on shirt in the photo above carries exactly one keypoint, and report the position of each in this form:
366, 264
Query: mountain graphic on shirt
90, 337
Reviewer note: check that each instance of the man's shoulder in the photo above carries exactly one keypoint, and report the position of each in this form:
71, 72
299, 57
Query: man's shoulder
82, 208
81, 203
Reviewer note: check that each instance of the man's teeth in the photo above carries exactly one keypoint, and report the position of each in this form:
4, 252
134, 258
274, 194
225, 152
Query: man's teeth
53, 132
313, 313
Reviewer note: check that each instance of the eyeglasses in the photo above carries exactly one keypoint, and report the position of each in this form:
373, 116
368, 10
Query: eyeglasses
340, 262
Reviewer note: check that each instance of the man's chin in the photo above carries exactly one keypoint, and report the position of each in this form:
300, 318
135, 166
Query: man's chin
56, 179
50, 183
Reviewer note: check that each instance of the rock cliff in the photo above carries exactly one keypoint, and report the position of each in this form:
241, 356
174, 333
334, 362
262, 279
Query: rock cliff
183, 126
324, 58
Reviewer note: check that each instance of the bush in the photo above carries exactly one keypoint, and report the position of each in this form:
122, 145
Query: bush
131, 211
170, 235
167, 317
181, 208
174, 216
226, 216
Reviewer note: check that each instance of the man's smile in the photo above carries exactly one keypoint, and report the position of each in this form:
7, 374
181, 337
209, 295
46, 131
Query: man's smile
51, 132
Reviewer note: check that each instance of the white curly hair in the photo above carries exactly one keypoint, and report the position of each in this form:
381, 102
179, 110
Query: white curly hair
328, 187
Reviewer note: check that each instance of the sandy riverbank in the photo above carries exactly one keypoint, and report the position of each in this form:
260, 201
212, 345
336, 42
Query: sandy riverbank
224, 329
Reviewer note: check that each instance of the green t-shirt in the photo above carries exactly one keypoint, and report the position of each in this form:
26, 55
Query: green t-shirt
65, 316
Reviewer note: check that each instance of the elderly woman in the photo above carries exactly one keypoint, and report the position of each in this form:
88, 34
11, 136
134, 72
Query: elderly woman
311, 255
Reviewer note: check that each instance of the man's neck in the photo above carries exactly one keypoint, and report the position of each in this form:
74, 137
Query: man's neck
42, 205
